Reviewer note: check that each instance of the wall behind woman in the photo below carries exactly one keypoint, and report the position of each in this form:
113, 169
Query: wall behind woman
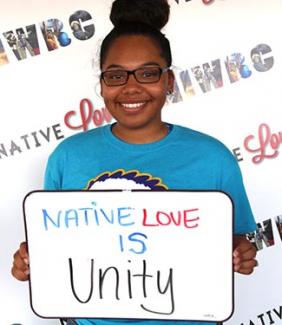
227, 62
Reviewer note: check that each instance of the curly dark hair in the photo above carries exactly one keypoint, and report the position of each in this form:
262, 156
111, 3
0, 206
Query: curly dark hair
138, 17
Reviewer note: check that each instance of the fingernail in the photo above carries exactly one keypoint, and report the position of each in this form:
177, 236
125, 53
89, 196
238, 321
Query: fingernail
26, 261
26, 272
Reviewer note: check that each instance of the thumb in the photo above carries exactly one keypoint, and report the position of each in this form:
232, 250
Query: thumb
23, 252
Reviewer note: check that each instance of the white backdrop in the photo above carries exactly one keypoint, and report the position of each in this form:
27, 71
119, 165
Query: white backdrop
37, 93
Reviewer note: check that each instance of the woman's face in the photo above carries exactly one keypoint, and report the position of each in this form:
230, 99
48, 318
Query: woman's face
136, 105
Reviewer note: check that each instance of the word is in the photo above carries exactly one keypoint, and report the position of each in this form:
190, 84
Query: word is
264, 145
125, 284
87, 115
32, 140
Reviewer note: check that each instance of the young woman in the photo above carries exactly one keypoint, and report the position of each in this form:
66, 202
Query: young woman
140, 150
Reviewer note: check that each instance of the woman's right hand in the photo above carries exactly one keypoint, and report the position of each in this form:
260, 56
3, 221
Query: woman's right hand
20, 269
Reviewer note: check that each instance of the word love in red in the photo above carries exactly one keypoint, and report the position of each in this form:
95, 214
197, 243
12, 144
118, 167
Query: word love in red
180, 218
87, 115
265, 145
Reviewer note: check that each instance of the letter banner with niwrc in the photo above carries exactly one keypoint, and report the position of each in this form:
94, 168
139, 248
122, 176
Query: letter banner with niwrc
166, 253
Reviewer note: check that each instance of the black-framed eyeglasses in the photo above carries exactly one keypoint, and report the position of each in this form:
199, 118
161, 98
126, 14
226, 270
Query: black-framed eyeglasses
145, 75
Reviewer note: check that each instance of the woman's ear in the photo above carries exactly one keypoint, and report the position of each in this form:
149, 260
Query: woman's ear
171, 79
101, 88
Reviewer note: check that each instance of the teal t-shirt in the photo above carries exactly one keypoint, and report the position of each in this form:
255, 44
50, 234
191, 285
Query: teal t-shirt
185, 159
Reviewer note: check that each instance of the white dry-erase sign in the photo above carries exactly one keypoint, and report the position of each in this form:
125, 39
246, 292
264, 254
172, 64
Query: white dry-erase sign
130, 254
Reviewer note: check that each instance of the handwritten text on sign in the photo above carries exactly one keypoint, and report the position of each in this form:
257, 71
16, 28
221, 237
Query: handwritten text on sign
151, 250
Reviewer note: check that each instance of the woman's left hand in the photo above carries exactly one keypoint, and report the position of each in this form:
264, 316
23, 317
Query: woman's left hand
244, 254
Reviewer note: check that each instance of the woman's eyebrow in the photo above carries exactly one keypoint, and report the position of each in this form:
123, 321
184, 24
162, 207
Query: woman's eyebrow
114, 66
151, 63
117, 66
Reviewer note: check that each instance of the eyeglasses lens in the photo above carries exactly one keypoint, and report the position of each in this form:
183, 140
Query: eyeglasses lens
148, 75
142, 75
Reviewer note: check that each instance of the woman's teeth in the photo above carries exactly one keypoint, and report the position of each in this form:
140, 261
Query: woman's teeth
132, 105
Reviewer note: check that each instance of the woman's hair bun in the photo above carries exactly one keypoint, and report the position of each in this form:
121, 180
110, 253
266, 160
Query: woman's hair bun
151, 12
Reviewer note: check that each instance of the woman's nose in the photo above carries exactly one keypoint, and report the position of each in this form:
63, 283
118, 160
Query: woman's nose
132, 85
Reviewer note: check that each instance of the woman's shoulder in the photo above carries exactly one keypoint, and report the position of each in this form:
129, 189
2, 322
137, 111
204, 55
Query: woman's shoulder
198, 138
203, 145
79, 142
83, 138
207, 151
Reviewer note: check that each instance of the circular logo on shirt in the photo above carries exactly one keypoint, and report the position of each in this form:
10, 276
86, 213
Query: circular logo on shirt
125, 180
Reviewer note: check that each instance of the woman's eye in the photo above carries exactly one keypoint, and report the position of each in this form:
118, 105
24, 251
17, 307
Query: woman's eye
150, 73
116, 76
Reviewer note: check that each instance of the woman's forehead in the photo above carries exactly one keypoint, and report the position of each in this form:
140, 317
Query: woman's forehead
133, 51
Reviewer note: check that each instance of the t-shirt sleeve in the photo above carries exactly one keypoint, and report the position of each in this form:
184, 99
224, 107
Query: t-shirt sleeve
244, 221
53, 172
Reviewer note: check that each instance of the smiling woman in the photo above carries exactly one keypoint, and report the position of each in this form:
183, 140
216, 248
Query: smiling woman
135, 98
135, 83
135, 79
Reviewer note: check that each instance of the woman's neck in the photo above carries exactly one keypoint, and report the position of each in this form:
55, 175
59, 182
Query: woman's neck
140, 135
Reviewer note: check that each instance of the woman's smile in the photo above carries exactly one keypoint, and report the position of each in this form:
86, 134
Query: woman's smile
133, 107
